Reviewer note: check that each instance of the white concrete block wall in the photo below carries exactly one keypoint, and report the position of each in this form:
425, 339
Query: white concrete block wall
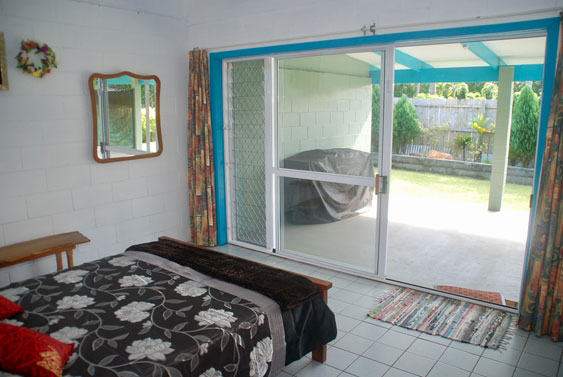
49, 181
45, 124
322, 111
223, 24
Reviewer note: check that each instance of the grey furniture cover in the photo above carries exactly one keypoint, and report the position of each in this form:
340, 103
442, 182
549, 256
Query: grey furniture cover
316, 202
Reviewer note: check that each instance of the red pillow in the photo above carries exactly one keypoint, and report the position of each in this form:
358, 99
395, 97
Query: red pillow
8, 308
31, 353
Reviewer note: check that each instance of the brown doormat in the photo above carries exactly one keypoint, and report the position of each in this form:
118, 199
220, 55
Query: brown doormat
493, 297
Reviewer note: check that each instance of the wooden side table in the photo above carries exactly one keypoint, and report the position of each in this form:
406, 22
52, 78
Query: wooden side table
42, 247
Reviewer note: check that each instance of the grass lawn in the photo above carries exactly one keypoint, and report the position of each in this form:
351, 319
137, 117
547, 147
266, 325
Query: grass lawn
454, 188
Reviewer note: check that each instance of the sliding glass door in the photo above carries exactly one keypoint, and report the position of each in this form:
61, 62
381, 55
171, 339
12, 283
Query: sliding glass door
310, 137
462, 166
328, 137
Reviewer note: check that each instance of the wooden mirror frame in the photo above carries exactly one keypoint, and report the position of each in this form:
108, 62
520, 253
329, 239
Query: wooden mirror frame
95, 115
3, 64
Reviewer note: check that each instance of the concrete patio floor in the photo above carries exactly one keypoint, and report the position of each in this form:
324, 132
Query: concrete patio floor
431, 242
460, 244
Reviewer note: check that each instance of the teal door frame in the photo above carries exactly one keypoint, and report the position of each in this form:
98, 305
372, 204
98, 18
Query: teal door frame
549, 26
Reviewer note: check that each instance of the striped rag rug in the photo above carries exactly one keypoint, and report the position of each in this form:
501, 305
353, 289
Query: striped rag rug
447, 317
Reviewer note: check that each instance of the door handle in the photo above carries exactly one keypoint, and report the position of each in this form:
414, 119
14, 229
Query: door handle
380, 184
377, 177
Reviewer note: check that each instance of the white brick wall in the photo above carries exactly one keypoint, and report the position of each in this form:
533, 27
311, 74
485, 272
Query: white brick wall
113, 213
130, 189
92, 196
258, 21
323, 110
45, 124
22, 183
68, 177
12, 210
130, 229
112, 172
49, 181
49, 203
27, 229
83, 219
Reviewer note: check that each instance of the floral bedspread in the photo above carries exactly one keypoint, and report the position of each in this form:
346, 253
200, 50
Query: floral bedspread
130, 318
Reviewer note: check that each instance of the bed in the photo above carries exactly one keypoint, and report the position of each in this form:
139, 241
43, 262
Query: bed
169, 308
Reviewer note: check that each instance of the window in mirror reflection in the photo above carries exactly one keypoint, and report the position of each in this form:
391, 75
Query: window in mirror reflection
126, 116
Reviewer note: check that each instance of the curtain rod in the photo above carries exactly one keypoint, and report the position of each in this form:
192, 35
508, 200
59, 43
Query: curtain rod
358, 32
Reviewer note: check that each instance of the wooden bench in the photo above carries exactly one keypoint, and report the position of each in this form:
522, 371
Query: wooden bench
42, 247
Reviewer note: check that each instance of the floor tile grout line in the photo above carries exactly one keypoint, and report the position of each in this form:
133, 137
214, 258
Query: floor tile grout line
560, 361
347, 282
522, 354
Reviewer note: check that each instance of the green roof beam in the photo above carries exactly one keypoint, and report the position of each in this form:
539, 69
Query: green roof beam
484, 53
410, 61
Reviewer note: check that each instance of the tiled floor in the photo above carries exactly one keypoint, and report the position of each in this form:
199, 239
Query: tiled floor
370, 348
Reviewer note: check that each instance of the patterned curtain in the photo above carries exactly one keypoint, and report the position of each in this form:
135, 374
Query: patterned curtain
201, 175
542, 302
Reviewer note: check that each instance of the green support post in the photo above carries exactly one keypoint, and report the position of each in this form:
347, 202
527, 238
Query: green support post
502, 137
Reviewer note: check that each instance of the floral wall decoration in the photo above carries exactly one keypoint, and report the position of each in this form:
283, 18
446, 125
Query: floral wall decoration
48, 61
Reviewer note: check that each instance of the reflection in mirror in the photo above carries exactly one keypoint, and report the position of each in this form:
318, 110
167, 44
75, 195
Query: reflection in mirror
126, 114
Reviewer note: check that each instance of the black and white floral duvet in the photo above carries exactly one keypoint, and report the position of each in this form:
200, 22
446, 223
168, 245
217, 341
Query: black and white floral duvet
131, 318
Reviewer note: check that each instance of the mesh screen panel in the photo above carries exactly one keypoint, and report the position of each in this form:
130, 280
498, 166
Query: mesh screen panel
245, 103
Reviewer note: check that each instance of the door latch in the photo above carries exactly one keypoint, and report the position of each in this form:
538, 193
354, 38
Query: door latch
381, 182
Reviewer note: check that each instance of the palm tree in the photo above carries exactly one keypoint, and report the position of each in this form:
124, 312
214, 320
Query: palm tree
462, 142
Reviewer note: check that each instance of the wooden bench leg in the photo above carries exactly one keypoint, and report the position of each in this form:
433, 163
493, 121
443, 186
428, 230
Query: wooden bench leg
70, 258
59, 261
320, 354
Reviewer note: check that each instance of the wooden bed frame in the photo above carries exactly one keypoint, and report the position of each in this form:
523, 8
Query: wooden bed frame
320, 353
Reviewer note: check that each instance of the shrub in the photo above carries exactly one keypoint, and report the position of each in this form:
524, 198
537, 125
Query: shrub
476, 87
428, 96
473, 95
490, 90
460, 90
405, 123
524, 129
152, 123
462, 143
408, 89
444, 89
375, 113
479, 122
536, 86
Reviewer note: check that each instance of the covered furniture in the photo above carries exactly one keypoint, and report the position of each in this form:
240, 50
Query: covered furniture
314, 202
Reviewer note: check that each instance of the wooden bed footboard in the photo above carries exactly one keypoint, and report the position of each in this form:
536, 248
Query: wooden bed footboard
320, 353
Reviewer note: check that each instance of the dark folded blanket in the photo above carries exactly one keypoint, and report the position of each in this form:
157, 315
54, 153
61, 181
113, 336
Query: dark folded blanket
287, 289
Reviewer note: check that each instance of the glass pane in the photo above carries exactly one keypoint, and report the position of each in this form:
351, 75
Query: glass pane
458, 207
148, 112
121, 116
329, 222
246, 117
325, 120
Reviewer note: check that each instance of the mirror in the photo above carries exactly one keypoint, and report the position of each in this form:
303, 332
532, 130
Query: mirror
123, 104
3, 65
